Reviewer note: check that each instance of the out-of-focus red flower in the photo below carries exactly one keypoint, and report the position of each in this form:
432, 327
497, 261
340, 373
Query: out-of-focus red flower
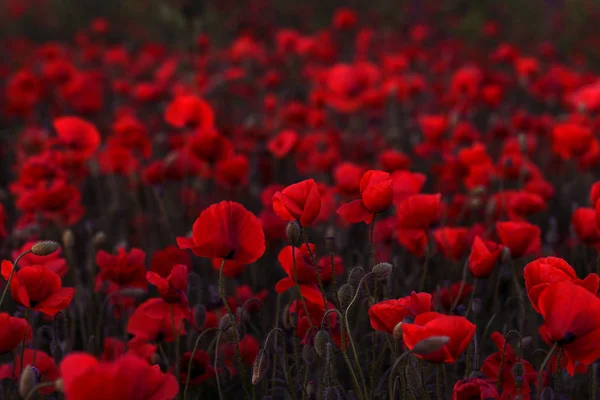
131, 377
571, 321
22, 92
172, 288
12, 332
584, 223
474, 388
299, 267
38, 288
316, 312
165, 259
433, 127
232, 171
452, 242
483, 257
348, 85
298, 202
226, 231
153, 321
419, 211
459, 329
523, 203
77, 135
249, 348
414, 240
190, 112
393, 160
202, 368
344, 18
521, 237
125, 269
406, 184
386, 314
541, 273
376, 196
571, 139
283, 144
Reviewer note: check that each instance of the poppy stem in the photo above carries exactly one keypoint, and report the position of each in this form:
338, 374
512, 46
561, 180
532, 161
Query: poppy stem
542, 368
316, 267
11, 276
391, 375
470, 305
216, 366
36, 388
176, 334
333, 279
235, 333
425, 269
594, 379
438, 382
557, 375
462, 286
372, 241
519, 293
300, 298
187, 379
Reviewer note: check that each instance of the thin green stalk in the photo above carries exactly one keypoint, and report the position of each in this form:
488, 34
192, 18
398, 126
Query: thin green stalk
11, 276
187, 379
542, 368
462, 285
216, 367
425, 269
177, 350
316, 267
391, 375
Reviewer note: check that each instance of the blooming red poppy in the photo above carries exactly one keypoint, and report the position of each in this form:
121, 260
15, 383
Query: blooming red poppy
316, 312
459, 329
38, 288
190, 111
125, 269
414, 240
419, 211
571, 321
347, 178
164, 260
298, 202
118, 160
584, 223
12, 332
282, 144
483, 257
304, 272
172, 288
386, 314
541, 273
524, 203
571, 139
520, 237
201, 367
232, 171
154, 319
474, 388
433, 127
376, 196
78, 135
452, 242
406, 184
129, 377
506, 358
226, 231
53, 261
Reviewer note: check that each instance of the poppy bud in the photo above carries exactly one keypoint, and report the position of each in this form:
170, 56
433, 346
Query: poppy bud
311, 389
292, 231
519, 382
522, 139
285, 318
29, 378
518, 370
260, 366
527, 340
226, 326
99, 239
476, 306
68, 238
330, 244
58, 385
308, 354
382, 270
397, 334
320, 341
332, 393
430, 345
345, 294
45, 248
504, 254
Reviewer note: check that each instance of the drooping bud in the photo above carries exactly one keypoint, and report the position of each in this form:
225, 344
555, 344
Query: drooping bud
45, 248
321, 339
260, 366
99, 239
29, 378
226, 326
285, 317
382, 270
397, 334
59, 386
293, 232
345, 294
311, 389
332, 393
68, 238
430, 345
309, 355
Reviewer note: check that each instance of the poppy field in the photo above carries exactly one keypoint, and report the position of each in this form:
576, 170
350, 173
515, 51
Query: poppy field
358, 210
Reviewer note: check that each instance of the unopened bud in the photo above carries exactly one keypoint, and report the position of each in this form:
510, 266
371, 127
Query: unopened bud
397, 334
29, 378
332, 393
321, 339
45, 248
68, 238
330, 244
311, 389
382, 270
504, 254
309, 355
518, 370
226, 326
59, 386
286, 318
476, 306
99, 239
260, 366
430, 345
345, 294
293, 232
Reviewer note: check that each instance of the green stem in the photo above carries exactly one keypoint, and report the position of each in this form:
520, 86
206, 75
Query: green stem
187, 379
391, 376
36, 388
425, 269
542, 368
316, 267
11, 276
177, 350
216, 367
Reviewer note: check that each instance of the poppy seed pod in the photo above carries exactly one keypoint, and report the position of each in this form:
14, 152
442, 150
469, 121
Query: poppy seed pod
29, 378
260, 366
345, 294
382, 270
308, 354
321, 339
398, 332
430, 345
293, 232
45, 248
68, 238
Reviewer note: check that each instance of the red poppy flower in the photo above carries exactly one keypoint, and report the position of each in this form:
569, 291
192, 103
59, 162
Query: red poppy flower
316, 312
572, 321
202, 368
153, 321
78, 135
282, 144
571, 139
12, 332
172, 288
376, 196
433, 126
344, 18
298, 202
232, 171
446, 296
541, 273
125, 269
347, 178
386, 314
249, 348
419, 211
406, 184
393, 160
520, 237
474, 388
324, 264
584, 223
190, 111
228, 231
38, 288
129, 377
458, 329
523, 203
483, 257
414, 240
452, 242
507, 358
164, 260
305, 272
53, 261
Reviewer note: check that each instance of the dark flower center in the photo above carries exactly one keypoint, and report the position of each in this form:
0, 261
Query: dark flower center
568, 338
230, 255
197, 370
